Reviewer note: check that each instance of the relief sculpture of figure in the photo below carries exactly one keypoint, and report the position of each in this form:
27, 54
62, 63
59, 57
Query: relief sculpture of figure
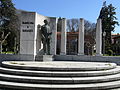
46, 36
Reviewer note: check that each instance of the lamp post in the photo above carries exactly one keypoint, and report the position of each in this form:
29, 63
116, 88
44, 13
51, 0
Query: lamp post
104, 34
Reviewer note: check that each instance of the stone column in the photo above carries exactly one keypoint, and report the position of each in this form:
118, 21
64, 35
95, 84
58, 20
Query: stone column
98, 38
53, 27
63, 37
81, 38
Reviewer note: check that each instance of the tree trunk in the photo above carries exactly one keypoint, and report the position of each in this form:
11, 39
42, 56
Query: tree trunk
15, 46
0, 47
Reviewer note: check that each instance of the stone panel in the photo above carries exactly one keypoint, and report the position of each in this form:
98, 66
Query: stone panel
53, 27
27, 32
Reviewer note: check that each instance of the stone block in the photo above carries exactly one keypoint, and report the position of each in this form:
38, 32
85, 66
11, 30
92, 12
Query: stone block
44, 58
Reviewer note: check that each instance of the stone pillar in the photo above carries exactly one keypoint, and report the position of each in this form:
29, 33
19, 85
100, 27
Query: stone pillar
98, 38
63, 37
53, 27
81, 38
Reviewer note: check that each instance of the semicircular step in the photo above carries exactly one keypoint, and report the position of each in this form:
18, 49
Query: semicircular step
27, 86
60, 73
59, 66
62, 80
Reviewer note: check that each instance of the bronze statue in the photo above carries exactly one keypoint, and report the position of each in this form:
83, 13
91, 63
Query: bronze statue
46, 35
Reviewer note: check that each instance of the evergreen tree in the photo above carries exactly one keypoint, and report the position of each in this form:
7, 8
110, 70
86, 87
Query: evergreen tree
8, 21
109, 21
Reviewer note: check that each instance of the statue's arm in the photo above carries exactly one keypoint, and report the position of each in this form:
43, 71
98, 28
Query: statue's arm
50, 32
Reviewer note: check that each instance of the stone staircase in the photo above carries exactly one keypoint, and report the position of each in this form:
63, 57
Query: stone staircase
59, 76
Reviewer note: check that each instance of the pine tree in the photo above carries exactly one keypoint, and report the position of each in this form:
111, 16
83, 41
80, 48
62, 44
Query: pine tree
109, 21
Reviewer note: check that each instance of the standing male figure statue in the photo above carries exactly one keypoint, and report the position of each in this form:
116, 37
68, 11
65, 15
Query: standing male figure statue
46, 36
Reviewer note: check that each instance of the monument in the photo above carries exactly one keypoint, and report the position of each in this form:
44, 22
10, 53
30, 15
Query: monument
39, 33
36, 41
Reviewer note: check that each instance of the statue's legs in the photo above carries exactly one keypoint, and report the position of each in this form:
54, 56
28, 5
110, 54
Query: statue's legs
44, 46
48, 46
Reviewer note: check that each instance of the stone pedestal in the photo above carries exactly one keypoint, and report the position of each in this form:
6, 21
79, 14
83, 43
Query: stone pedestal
44, 58
81, 38
99, 38
63, 37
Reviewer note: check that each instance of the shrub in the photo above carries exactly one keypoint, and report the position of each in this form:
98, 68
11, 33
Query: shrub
110, 52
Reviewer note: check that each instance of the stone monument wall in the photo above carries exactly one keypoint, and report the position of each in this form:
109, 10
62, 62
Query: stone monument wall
30, 34
27, 33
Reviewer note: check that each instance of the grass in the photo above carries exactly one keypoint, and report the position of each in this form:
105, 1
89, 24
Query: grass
21, 63
13, 63
108, 64
8, 52
17, 63
110, 55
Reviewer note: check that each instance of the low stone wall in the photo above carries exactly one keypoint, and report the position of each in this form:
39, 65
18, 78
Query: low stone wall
114, 59
9, 57
25, 57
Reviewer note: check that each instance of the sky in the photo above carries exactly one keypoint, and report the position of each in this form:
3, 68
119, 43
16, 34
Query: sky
87, 9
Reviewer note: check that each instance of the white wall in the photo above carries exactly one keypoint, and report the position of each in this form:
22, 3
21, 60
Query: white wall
39, 20
53, 27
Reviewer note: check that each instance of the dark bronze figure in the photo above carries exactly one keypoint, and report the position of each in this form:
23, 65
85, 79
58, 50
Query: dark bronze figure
46, 35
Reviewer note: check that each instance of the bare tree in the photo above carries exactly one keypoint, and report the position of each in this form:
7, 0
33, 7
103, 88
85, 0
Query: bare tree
90, 30
2, 39
72, 25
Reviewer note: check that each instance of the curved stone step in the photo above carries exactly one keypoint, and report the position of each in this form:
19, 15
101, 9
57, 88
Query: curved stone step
59, 80
115, 89
60, 73
26, 86
59, 66
63, 79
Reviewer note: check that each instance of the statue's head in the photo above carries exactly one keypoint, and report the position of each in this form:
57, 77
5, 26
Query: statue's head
45, 21
39, 26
